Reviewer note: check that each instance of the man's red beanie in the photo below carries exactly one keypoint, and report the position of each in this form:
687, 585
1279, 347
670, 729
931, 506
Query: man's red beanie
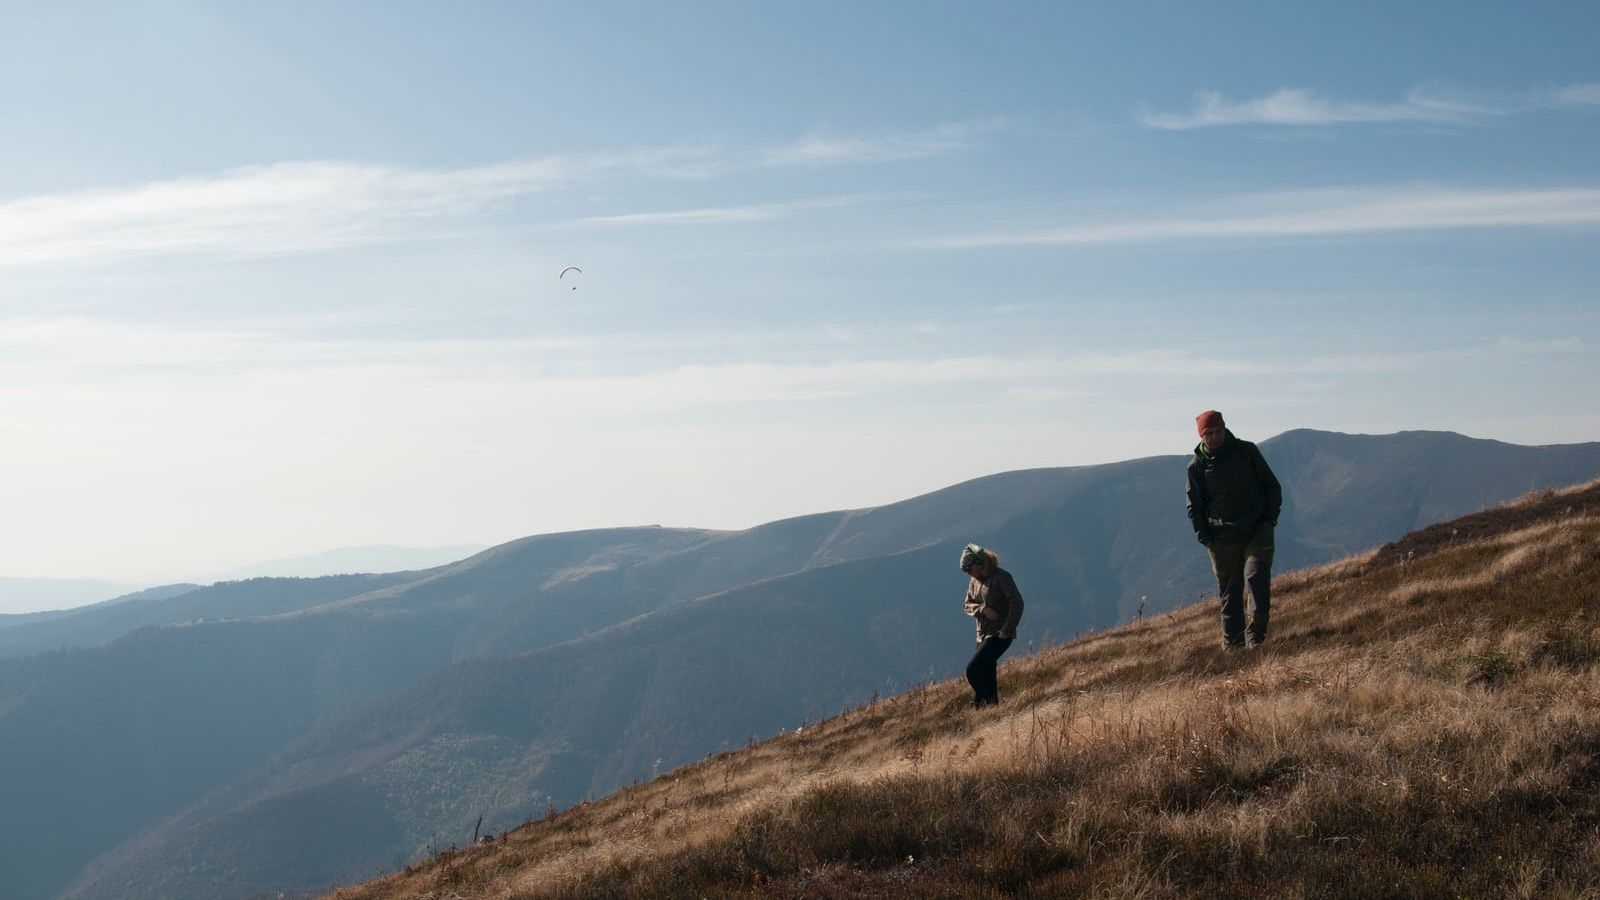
1208, 419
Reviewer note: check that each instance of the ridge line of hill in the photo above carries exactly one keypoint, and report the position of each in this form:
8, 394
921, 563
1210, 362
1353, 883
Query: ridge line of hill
1414, 728
492, 729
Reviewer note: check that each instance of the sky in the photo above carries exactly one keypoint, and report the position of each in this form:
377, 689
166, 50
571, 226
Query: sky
282, 277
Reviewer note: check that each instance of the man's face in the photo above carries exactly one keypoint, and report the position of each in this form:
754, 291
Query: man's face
1214, 437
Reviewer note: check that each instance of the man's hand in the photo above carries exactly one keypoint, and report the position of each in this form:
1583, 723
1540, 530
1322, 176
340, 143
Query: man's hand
1204, 537
990, 614
1008, 635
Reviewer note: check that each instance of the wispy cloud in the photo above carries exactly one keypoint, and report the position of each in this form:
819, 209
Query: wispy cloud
89, 352
263, 210
829, 150
1302, 107
722, 214
648, 376
1576, 95
1297, 106
1320, 212
38, 348
298, 207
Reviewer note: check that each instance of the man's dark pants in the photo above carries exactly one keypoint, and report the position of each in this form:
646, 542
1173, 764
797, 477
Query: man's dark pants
1238, 566
981, 670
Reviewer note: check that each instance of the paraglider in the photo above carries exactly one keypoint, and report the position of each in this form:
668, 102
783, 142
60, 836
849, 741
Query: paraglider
569, 269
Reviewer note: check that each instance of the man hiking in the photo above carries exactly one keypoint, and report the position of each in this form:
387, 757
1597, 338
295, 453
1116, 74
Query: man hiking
1234, 501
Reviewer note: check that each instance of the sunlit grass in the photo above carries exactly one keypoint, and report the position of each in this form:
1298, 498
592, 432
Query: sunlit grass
1425, 722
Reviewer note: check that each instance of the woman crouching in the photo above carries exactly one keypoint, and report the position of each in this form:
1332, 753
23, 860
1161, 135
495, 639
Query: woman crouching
994, 601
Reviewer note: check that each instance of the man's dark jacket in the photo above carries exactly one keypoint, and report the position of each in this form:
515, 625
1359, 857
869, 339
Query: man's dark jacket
1231, 492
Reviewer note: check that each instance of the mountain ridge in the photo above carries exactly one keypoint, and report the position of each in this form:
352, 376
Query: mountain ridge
1412, 728
1090, 546
364, 559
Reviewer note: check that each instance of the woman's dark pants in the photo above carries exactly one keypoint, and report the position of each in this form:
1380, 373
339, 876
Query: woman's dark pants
981, 671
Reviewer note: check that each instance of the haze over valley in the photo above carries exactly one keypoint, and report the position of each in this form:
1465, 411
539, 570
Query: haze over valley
285, 734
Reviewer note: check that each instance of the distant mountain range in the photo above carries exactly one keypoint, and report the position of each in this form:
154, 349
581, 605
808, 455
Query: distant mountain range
280, 734
1413, 724
352, 560
31, 596
22, 596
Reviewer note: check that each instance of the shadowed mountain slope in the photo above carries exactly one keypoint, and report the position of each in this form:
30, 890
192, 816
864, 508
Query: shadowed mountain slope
349, 560
313, 648
1415, 727
106, 740
503, 736
93, 626
159, 592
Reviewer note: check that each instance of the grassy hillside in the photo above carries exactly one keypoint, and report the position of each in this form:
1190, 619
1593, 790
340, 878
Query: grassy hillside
1424, 722
520, 677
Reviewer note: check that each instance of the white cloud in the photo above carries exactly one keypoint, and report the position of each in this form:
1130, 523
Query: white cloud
1027, 393
260, 210
1576, 95
91, 355
1341, 211
86, 349
826, 150
759, 212
298, 207
493, 451
1297, 106
1302, 107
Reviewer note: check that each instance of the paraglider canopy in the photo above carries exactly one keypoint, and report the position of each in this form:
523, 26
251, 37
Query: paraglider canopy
569, 269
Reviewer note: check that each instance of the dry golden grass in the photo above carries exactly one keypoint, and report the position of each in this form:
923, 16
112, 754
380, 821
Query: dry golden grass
1425, 722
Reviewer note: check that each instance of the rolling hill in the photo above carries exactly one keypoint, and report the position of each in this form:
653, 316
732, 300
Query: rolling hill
24, 596
1414, 728
281, 734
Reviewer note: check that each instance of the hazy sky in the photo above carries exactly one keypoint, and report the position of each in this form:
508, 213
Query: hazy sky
280, 277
